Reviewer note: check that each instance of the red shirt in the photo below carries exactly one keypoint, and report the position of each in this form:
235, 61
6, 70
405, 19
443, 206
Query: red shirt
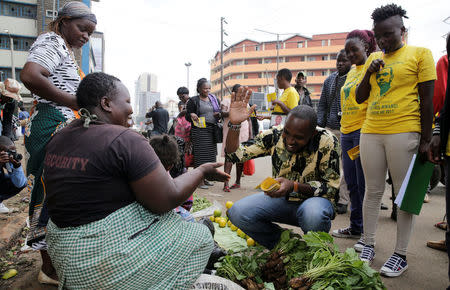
440, 85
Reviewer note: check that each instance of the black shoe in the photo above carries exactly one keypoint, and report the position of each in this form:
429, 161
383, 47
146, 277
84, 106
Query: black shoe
341, 208
383, 207
216, 254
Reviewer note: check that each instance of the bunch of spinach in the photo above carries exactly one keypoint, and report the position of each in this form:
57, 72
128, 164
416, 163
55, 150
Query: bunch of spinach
200, 203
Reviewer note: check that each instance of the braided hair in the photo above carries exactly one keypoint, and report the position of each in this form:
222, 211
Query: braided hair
200, 83
366, 36
93, 87
387, 11
166, 148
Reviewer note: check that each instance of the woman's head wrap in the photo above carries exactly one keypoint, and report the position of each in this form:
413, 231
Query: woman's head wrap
75, 9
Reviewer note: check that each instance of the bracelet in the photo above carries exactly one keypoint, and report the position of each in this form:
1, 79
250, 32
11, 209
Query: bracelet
295, 186
233, 127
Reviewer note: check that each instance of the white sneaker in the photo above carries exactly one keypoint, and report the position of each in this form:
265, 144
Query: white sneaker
3, 208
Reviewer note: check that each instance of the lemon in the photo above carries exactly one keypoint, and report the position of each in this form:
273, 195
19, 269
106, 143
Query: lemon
217, 213
217, 219
212, 218
222, 223
9, 274
233, 227
229, 223
250, 242
229, 204
240, 233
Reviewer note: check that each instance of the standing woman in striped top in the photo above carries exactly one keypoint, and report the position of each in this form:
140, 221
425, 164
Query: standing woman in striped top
52, 75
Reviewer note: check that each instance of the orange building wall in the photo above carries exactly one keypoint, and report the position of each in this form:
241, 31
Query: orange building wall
253, 68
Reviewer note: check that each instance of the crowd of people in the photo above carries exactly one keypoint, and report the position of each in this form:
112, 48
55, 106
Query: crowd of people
115, 204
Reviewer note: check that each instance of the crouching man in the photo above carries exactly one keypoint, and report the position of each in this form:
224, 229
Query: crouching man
12, 178
305, 161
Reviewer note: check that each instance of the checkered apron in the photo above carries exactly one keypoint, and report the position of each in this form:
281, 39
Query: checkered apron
131, 248
45, 121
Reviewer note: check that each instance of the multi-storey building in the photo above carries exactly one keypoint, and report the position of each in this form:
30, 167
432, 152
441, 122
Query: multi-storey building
22, 21
146, 95
254, 64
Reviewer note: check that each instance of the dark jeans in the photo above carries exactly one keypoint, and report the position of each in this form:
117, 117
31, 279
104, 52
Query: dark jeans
354, 177
7, 189
257, 214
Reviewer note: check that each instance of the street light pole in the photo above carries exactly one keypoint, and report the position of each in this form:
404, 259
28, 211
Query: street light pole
187, 64
222, 32
278, 49
11, 46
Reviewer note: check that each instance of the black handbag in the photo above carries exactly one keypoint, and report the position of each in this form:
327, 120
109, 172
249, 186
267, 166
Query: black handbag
218, 132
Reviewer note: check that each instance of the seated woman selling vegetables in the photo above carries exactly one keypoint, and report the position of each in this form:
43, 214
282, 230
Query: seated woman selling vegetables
110, 201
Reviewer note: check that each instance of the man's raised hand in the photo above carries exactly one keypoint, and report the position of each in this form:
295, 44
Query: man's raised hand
238, 107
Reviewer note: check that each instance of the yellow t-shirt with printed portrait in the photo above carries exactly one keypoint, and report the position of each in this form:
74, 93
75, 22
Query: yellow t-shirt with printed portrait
353, 114
393, 104
447, 151
290, 98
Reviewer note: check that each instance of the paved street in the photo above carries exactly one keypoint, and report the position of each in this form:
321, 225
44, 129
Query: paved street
427, 267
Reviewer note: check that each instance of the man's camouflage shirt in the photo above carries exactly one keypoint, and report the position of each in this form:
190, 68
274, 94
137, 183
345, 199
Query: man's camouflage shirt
317, 164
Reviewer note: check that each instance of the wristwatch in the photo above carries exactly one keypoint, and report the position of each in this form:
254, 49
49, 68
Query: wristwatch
294, 195
233, 127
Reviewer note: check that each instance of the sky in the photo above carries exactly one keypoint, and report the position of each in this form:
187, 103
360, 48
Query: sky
160, 36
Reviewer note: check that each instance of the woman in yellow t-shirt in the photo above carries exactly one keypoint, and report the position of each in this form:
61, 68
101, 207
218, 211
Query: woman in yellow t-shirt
398, 86
358, 46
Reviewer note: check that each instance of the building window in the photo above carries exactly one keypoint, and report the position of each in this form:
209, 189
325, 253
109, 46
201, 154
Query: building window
310, 73
239, 76
324, 73
302, 58
257, 48
267, 60
324, 42
300, 44
260, 61
239, 62
286, 59
324, 57
18, 10
246, 62
20, 43
51, 14
333, 56
311, 58
5, 73
245, 76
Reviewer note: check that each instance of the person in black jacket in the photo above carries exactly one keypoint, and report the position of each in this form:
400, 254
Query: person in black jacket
440, 145
205, 106
303, 92
328, 114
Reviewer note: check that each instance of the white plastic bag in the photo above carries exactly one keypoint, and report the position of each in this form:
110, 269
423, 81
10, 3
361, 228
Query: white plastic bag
215, 283
209, 211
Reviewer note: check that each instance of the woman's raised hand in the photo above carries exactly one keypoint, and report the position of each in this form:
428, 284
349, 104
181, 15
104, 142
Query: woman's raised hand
238, 107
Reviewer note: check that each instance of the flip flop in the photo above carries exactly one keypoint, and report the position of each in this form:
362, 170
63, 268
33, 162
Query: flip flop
441, 225
226, 188
235, 186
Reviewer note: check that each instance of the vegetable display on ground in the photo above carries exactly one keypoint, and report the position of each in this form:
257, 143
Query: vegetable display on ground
309, 262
